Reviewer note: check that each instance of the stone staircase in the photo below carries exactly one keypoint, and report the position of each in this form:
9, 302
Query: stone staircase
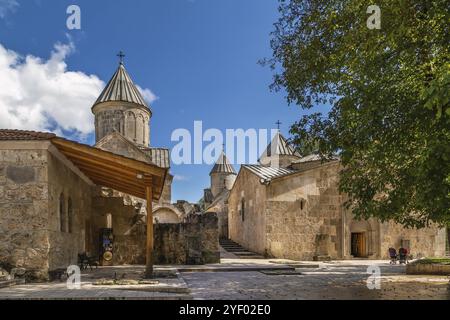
236, 249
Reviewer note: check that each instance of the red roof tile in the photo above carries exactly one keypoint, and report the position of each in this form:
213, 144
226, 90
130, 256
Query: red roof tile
14, 135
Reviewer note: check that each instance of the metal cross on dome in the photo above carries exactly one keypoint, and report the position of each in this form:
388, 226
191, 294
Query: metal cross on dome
278, 123
121, 56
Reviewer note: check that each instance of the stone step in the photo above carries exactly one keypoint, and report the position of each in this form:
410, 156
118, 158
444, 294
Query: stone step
250, 257
11, 283
246, 253
227, 242
232, 247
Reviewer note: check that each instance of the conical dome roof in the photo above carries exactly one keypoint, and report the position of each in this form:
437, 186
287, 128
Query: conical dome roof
121, 88
279, 146
223, 165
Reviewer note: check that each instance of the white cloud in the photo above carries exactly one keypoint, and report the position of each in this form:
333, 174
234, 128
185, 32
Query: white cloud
148, 95
42, 95
7, 6
180, 178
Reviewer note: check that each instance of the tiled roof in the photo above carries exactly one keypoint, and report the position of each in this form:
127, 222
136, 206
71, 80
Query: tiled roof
223, 165
269, 173
314, 157
14, 135
121, 88
280, 146
159, 156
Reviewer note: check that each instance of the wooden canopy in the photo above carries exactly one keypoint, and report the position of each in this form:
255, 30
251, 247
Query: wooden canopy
114, 171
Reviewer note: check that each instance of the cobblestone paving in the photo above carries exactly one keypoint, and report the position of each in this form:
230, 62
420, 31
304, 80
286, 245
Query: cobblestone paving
332, 281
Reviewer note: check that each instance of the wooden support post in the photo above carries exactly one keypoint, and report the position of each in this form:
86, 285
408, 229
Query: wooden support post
149, 251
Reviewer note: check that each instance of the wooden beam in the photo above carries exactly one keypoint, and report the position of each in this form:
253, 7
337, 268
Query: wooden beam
102, 176
95, 166
75, 157
108, 156
104, 172
149, 249
114, 178
120, 188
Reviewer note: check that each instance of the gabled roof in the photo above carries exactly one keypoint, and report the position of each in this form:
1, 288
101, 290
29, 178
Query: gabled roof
268, 173
121, 88
156, 156
159, 156
315, 157
223, 165
221, 198
104, 168
279, 146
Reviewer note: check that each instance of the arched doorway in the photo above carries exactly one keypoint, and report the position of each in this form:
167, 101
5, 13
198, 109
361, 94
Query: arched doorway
360, 239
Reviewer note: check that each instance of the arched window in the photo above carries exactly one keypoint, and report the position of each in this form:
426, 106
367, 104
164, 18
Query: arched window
130, 126
109, 221
140, 129
70, 214
62, 214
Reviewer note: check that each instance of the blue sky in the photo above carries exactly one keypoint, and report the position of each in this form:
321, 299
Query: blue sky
199, 57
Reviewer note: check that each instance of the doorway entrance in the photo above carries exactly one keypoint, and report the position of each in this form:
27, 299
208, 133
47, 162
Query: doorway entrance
358, 241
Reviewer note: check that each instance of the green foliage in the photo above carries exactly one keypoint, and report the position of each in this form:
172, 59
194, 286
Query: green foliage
389, 96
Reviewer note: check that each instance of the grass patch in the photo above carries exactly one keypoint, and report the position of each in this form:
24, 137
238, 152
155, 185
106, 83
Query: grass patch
434, 261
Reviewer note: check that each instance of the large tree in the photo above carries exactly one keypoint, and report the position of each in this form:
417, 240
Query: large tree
388, 90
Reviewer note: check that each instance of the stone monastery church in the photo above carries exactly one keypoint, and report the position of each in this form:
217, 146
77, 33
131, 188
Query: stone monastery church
289, 206
60, 198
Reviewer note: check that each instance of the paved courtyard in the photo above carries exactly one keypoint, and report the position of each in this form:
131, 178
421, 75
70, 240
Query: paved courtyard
339, 280
240, 279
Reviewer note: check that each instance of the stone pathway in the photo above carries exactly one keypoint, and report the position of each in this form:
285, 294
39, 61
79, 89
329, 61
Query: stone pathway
332, 280
171, 288
346, 280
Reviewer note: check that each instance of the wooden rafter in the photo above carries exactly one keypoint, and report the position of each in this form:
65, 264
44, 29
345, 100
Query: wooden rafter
114, 171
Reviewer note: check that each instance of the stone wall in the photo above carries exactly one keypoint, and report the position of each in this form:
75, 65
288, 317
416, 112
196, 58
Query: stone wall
126, 118
248, 230
66, 244
427, 242
32, 179
194, 242
127, 225
24, 207
303, 216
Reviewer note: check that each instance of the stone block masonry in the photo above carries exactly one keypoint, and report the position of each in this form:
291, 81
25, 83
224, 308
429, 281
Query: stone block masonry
194, 242
35, 184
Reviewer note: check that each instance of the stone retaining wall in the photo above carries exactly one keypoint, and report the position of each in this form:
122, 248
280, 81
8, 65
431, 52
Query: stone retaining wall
433, 269
193, 242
